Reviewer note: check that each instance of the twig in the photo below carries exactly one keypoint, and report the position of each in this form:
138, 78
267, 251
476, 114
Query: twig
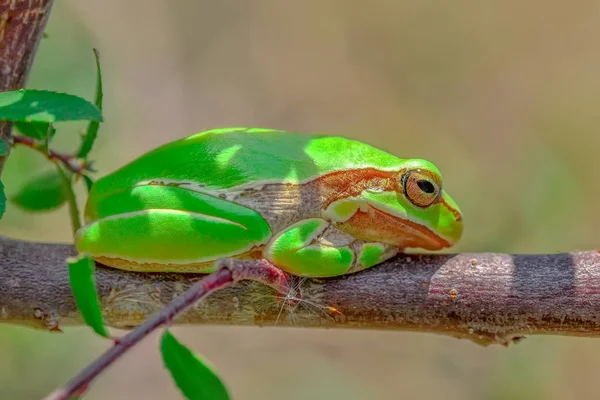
221, 278
227, 275
72, 163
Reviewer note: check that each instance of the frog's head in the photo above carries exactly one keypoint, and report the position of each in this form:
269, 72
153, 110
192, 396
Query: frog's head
406, 208
421, 199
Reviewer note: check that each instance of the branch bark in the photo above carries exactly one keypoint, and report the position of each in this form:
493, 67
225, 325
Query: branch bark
22, 24
484, 297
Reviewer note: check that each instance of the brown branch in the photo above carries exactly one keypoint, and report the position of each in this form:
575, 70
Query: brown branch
485, 297
71, 162
22, 24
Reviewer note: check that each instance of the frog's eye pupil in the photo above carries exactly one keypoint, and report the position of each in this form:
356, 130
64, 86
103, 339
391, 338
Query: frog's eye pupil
421, 188
426, 186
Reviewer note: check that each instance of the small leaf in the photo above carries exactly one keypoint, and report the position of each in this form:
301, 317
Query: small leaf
194, 375
88, 182
48, 138
92, 131
2, 200
4, 148
81, 277
46, 106
34, 130
42, 193
50, 132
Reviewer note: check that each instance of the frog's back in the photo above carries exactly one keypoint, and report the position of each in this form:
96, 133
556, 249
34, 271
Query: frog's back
226, 158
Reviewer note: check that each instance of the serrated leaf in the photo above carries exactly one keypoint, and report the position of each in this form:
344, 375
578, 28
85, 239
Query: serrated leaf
42, 193
46, 106
2, 200
92, 131
34, 130
4, 148
194, 375
81, 277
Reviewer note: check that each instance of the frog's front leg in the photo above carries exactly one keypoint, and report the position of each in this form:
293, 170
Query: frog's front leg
315, 248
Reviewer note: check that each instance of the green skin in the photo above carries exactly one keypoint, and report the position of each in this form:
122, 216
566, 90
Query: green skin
311, 205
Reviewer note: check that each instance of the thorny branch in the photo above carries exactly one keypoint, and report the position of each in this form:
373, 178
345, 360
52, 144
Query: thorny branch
484, 297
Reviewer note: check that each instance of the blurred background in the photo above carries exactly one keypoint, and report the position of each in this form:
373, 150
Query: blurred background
502, 96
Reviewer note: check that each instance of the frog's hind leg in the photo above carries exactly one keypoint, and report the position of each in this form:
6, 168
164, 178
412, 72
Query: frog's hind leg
316, 248
168, 228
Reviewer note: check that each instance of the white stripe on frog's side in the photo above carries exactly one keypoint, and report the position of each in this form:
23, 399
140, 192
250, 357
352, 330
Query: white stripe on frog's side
281, 205
226, 194
259, 185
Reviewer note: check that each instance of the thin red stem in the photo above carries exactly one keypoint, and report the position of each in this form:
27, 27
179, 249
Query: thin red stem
229, 273
217, 280
66, 159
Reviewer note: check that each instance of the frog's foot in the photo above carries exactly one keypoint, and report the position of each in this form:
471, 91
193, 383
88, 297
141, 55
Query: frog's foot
260, 270
317, 249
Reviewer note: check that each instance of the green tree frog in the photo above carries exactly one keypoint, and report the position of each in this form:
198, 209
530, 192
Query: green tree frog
311, 205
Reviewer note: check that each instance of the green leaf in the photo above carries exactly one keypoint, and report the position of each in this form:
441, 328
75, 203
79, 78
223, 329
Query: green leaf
81, 277
194, 375
4, 148
2, 200
46, 106
34, 130
48, 137
42, 193
88, 182
92, 130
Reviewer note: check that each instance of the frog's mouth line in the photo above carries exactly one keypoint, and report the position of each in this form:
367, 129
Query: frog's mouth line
422, 229
454, 211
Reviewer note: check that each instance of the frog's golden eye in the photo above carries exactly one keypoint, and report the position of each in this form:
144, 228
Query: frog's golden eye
421, 187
